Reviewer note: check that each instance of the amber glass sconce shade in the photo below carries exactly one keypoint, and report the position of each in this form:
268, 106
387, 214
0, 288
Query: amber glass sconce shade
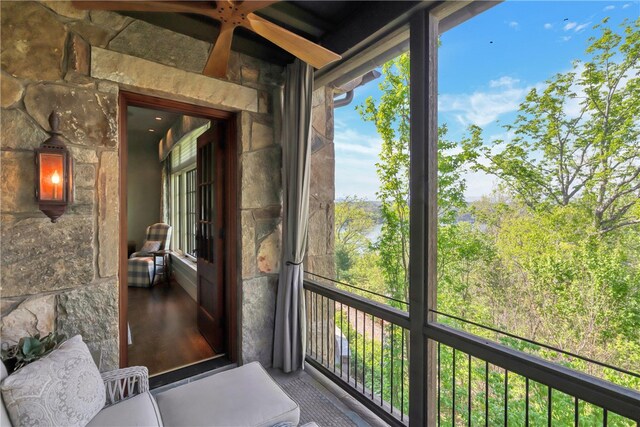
54, 173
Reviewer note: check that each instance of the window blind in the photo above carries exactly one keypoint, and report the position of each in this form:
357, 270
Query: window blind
184, 153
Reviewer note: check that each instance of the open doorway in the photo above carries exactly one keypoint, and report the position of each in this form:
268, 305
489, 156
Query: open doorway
178, 210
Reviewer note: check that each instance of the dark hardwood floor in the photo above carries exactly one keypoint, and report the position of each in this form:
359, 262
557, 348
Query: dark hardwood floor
163, 329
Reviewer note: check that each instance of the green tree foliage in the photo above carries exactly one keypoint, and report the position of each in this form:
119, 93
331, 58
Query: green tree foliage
390, 115
577, 139
353, 222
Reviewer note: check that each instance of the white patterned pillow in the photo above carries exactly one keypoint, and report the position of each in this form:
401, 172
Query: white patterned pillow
63, 388
151, 246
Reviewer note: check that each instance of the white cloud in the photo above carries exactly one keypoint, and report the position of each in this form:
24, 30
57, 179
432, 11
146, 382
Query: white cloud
548, 26
357, 149
566, 38
581, 27
339, 123
504, 81
351, 139
610, 7
575, 26
483, 107
513, 24
355, 177
356, 156
626, 5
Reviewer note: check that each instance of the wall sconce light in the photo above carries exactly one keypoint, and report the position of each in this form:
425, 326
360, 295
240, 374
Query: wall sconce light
54, 173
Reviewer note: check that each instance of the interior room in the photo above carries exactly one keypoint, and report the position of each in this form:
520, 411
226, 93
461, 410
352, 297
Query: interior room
161, 204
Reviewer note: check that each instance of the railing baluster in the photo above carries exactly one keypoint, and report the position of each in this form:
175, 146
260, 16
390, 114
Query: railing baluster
392, 373
486, 393
355, 364
341, 336
364, 350
576, 412
526, 400
469, 401
328, 333
322, 337
334, 333
381, 364
309, 322
310, 343
316, 323
453, 391
373, 343
349, 344
549, 406
506, 397
402, 378
604, 417
439, 383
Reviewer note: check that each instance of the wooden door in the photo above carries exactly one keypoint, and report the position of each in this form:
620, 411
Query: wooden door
210, 236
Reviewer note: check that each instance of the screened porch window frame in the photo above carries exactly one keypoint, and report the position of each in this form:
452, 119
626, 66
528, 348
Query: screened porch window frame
419, 30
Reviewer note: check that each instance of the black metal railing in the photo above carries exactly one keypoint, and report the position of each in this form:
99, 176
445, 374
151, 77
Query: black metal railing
536, 346
362, 345
480, 382
357, 290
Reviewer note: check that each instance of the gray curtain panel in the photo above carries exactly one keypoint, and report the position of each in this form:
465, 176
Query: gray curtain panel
290, 329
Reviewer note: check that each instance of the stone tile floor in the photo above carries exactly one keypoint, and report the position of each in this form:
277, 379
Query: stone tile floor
323, 402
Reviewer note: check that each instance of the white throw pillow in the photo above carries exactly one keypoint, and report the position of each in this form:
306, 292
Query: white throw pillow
151, 246
63, 388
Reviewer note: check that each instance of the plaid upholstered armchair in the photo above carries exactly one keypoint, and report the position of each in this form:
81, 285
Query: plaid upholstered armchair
146, 265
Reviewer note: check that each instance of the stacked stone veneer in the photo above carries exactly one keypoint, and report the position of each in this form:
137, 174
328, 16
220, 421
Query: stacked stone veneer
64, 276
320, 253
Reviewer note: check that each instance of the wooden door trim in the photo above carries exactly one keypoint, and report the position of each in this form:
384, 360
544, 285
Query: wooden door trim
123, 303
233, 236
127, 99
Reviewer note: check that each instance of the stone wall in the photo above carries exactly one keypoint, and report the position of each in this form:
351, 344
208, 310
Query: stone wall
320, 253
320, 250
64, 276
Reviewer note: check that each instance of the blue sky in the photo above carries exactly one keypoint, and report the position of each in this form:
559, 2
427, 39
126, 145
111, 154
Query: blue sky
486, 67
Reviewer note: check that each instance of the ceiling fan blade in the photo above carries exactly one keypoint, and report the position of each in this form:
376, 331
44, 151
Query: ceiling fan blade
309, 52
219, 57
249, 6
202, 8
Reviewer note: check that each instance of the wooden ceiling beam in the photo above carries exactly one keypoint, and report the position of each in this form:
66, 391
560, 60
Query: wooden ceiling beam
370, 23
297, 19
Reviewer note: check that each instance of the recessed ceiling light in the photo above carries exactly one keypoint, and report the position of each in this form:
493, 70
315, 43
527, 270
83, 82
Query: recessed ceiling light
158, 118
152, 130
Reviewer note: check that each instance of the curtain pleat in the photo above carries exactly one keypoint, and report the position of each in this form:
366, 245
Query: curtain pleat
290, 329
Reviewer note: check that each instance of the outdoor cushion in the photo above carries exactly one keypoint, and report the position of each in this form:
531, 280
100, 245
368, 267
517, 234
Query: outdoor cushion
245, 396
140, 410
4, 417
63, 388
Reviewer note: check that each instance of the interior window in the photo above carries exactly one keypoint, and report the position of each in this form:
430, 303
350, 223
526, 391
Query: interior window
183, 193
